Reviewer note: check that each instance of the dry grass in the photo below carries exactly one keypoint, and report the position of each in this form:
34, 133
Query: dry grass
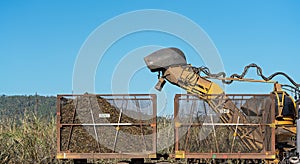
30, 139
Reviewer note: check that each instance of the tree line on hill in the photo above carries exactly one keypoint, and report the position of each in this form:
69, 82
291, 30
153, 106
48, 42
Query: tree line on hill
16, 106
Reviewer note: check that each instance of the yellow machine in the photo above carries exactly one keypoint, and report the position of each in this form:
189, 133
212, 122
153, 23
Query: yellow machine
171, 65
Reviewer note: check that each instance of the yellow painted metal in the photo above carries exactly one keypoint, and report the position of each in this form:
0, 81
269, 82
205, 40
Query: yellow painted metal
280, 102
177, 124
288, 121
61, 155
179, 154
152, 155
292, 129
273, 156
272, 125
214, 89
275, 161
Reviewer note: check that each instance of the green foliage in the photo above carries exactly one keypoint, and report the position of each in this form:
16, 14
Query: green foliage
15, 106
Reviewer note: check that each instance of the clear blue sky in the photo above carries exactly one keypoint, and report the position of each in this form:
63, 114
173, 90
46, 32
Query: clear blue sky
39, 40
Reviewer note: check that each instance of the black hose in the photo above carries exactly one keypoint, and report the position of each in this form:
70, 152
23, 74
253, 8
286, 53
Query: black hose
206, 71
292, 89
259, 72
296, 90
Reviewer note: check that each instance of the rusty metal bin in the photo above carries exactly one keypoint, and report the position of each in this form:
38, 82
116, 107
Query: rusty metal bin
224, 127
106, 126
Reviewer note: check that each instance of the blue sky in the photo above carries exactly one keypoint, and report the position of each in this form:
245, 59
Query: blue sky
40, 40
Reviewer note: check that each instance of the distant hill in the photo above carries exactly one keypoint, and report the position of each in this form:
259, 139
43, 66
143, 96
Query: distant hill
15, 106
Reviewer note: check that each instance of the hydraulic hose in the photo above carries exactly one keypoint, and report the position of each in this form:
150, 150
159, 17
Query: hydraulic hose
207, 72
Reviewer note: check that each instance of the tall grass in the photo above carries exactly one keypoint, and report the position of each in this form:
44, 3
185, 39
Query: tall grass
29, 139
32, 139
